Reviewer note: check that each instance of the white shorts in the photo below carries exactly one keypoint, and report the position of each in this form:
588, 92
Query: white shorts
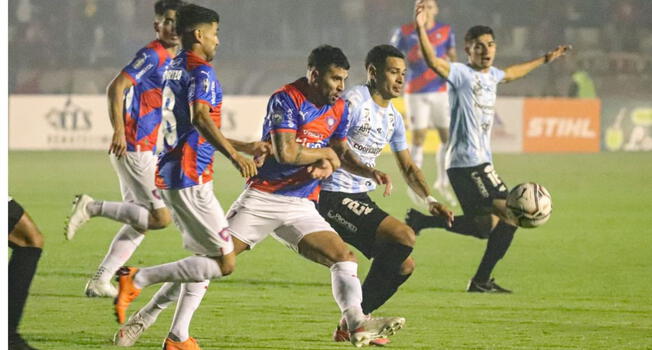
136, 171
428, 110
200, 218
256, 214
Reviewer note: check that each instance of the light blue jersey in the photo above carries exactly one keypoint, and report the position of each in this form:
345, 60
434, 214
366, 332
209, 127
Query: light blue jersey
472, 98
371, 127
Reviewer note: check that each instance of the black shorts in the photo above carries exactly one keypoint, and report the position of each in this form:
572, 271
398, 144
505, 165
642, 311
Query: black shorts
476, 188
15, 213
355, 217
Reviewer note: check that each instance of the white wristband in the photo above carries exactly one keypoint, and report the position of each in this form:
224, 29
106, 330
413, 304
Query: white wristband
430, 199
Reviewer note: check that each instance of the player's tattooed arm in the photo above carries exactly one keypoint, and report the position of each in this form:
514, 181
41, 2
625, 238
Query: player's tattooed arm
202, 120
288, 151
115, 95
353, 164
518, 71
439, 65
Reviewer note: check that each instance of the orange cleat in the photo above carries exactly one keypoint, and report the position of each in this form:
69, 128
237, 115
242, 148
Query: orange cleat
341, 334
127, 292
189, 344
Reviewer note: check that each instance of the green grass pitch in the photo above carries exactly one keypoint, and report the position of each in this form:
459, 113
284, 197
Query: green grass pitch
582, 281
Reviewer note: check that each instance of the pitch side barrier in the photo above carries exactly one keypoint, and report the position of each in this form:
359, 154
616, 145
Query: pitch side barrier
522, 125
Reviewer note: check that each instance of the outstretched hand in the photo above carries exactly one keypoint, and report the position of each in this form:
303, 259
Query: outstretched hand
245, 165
383, 179
560, 51
420, 16
441, 210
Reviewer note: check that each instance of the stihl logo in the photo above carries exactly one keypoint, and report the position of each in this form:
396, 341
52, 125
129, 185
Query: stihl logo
560, 127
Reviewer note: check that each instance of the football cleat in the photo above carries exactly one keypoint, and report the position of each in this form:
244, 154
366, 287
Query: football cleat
189, 344
414, 197
447, 193
341, 334
488, 287
416, 220
16, 342
375, 328
127, 292
79, 215
129, 333
100, 289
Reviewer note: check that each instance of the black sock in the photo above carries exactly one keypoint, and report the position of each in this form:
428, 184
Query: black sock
497, 245
22, 267
384, 276
464, 225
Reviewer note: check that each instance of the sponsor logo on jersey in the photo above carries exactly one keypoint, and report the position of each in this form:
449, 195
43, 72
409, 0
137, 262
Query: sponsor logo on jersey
139, 62
172, 74
367, 148
143, 71
277, 118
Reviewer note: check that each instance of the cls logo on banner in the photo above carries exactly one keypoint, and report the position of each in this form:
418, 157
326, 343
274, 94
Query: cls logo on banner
560, 127
70, 118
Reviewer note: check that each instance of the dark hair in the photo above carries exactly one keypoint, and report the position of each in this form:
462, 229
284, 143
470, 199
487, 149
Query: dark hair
378, 55
161, 6
325, 55
477, 31
189, 16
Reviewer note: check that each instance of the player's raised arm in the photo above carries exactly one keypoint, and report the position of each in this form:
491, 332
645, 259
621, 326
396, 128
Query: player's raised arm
115, 95
201, 119
518, 71
417, 182
352, 164
439, 65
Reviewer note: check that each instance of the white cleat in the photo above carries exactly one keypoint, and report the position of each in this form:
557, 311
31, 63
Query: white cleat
447, 193
414, 197
129, 333
375, 328
79, 215
100, 289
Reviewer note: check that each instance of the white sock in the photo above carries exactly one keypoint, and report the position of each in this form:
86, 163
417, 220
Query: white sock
128, 213
442, 177
122, 247
166, 295
417, 155
189, 299
190, 269
347, 291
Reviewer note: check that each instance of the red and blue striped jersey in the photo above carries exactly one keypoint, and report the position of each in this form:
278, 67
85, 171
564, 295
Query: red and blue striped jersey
187, 158
288, 110
420, 78
142, 107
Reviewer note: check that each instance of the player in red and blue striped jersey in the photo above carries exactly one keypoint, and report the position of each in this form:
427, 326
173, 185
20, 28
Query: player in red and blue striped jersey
134, 98
289, 111
192, 100
426, 96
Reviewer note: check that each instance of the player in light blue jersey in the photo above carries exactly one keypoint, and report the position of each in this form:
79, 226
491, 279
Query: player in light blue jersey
480, 191
344, 201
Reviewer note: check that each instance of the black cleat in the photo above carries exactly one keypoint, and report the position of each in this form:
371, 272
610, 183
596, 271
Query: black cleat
16, 342
489, 287
416, 220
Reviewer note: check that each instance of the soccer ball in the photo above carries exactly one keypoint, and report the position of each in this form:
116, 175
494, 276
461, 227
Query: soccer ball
529, 204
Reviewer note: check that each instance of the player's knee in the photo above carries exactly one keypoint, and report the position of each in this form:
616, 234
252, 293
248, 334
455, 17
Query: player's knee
408, 266
227, 267
29, 234
159, 219
405, 236
343, 255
